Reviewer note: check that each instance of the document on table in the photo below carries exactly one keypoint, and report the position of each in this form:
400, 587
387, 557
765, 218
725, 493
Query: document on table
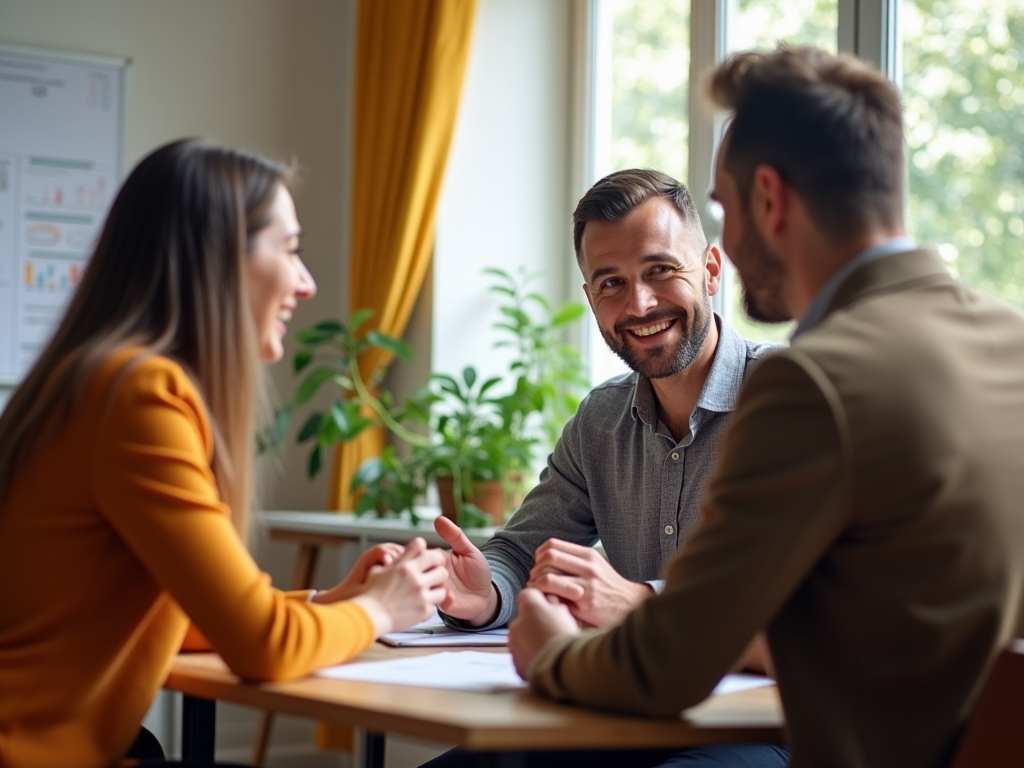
459, 670
734, 683
473, 671
433, 633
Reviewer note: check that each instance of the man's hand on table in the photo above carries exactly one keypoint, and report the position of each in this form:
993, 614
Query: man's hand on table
470, 594
540, 618
593, 591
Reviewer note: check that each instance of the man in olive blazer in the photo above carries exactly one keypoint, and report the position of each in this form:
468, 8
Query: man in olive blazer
868, 508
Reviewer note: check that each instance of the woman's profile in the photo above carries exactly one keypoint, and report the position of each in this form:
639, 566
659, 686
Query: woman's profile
126, 466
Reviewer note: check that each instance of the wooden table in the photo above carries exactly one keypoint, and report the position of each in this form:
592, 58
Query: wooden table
500, 727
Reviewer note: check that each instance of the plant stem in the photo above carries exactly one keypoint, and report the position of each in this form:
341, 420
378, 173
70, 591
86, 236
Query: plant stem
365, 397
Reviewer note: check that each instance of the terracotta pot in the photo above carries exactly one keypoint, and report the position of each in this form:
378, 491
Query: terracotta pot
488, 495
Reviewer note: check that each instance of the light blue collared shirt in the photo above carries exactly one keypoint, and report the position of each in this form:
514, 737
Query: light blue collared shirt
817, 309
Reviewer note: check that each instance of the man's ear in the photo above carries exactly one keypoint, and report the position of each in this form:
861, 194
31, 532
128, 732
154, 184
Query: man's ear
713, 266
586, 290
770, 201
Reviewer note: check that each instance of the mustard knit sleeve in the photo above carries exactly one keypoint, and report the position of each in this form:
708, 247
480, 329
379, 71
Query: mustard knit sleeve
152, 480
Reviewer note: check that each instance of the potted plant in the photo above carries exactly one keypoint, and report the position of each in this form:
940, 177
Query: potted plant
482, 436
388, 485
472, 449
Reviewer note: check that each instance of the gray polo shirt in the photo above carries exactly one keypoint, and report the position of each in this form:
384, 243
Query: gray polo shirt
618, 476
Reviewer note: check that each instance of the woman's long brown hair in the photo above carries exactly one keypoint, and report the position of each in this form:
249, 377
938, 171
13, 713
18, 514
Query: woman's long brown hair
168, 275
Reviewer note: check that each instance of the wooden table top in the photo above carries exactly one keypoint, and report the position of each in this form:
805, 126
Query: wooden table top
507, 720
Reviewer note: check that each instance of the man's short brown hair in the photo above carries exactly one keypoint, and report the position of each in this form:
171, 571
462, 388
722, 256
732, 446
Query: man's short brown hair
832, 126
618, 194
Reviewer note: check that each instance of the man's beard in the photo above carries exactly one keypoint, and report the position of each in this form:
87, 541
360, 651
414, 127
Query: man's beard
765, 270
652, 362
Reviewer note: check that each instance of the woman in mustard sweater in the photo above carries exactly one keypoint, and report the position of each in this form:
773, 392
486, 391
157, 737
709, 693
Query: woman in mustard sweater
125, 464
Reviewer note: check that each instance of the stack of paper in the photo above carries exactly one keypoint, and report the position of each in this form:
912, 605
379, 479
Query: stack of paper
433, 633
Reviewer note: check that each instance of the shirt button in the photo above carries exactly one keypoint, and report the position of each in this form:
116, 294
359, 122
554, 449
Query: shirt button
669, 530
675, 456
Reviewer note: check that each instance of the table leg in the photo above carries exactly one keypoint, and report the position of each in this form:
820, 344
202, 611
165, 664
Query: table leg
373, 750
305, 566
198, 723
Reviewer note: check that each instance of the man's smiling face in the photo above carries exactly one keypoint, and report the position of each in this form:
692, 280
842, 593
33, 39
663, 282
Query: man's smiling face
647, 282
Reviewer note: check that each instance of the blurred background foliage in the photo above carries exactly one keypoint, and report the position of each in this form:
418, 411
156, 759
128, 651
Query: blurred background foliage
963, 88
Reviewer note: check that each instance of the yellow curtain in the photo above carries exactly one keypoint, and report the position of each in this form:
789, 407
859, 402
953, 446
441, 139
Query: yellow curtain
410, 65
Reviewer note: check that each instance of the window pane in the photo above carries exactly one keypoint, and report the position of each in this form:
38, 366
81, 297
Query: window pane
643, 85
650, 78
963, 87
762, 24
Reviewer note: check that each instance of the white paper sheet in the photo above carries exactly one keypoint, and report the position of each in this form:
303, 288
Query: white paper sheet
734, 683
474, 671
433, 633
458, 670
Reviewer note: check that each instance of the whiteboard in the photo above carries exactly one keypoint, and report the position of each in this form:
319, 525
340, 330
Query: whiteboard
62, 124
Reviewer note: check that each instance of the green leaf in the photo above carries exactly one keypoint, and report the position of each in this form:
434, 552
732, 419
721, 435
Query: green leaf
359, 317
329, 433
310, 428
453, 389
314, 336
396, 346
540, 300
302, 358
333, 327
469, 376
313, 381
568, 313
439, 377
369, 472
314, 463
418, 410
488, 384
357, 424
471, 516
339, 413
521, 318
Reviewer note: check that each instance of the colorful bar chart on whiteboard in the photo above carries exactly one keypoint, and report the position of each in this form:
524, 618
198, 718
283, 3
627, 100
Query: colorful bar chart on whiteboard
61, 147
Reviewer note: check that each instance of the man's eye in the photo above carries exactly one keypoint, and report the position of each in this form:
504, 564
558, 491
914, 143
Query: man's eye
610, 284
663, 270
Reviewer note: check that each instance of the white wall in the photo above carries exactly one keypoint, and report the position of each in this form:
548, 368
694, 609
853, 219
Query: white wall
271, 76
506, 190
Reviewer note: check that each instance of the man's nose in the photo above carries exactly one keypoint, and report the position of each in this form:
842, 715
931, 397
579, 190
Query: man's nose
642, 298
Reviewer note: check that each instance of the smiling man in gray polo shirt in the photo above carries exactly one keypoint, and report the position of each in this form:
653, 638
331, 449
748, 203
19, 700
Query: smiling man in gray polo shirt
630, 469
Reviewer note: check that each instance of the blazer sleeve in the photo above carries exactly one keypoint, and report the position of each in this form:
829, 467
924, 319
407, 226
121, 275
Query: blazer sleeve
152, 481
779, 499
